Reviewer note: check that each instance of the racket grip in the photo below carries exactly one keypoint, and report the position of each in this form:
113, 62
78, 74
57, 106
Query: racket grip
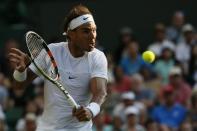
77, 106
70, 99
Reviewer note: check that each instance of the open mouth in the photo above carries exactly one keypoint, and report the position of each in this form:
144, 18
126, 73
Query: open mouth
92, 45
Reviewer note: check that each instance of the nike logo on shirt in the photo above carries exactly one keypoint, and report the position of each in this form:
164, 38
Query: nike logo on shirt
71, 77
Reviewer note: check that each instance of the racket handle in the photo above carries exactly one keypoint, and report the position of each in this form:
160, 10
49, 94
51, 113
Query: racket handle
70, 99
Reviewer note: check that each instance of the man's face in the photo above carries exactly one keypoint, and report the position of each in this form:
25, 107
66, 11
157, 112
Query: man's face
160, 35
128, 102
133, 48
189, 36
132, 119
84, 37
175, 79
169, 98
136, 84
178, 20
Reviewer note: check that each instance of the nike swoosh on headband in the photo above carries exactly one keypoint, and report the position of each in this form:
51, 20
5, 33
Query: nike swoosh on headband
85, 18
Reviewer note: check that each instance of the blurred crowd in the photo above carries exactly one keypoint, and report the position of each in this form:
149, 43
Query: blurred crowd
161, 96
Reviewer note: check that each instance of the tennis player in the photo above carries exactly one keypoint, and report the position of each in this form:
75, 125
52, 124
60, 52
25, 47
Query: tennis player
83, 69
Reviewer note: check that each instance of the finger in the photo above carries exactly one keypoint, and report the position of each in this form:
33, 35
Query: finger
16, 61
16, 64
16, 51
18, 67
83, 119
81, 115
74, 111
84, 115
12, 55
80, 111
13, 65
13, 60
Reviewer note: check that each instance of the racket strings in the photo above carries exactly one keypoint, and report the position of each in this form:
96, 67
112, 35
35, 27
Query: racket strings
40, 55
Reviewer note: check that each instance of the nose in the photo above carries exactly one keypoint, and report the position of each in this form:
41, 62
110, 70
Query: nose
92, 34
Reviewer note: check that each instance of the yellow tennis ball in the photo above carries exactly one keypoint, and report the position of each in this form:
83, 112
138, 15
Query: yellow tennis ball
148, 56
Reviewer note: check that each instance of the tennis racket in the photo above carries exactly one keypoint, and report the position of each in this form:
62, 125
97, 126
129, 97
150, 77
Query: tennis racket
43, 60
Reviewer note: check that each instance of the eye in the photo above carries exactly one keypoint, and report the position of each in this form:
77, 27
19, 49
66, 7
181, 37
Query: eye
86, 31
94, 30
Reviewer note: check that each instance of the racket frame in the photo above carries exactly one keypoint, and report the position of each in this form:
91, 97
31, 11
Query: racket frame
55, 81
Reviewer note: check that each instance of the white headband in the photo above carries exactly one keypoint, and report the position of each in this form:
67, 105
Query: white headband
79, 21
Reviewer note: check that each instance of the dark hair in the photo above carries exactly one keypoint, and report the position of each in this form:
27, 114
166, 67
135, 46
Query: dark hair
76, 11
159, 27
149, 121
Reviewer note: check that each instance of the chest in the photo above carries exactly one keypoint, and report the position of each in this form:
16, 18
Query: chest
74, 72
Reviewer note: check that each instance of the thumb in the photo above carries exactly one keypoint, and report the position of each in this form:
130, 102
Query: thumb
19, 68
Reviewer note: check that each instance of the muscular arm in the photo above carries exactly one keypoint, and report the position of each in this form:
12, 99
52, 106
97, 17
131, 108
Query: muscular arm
98, 89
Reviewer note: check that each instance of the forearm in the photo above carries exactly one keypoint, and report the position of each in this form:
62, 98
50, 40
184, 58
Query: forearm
22, 74
98, 90
99, 97
22, 84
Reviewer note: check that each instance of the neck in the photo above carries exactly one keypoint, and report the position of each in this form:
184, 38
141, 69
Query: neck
75, 51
